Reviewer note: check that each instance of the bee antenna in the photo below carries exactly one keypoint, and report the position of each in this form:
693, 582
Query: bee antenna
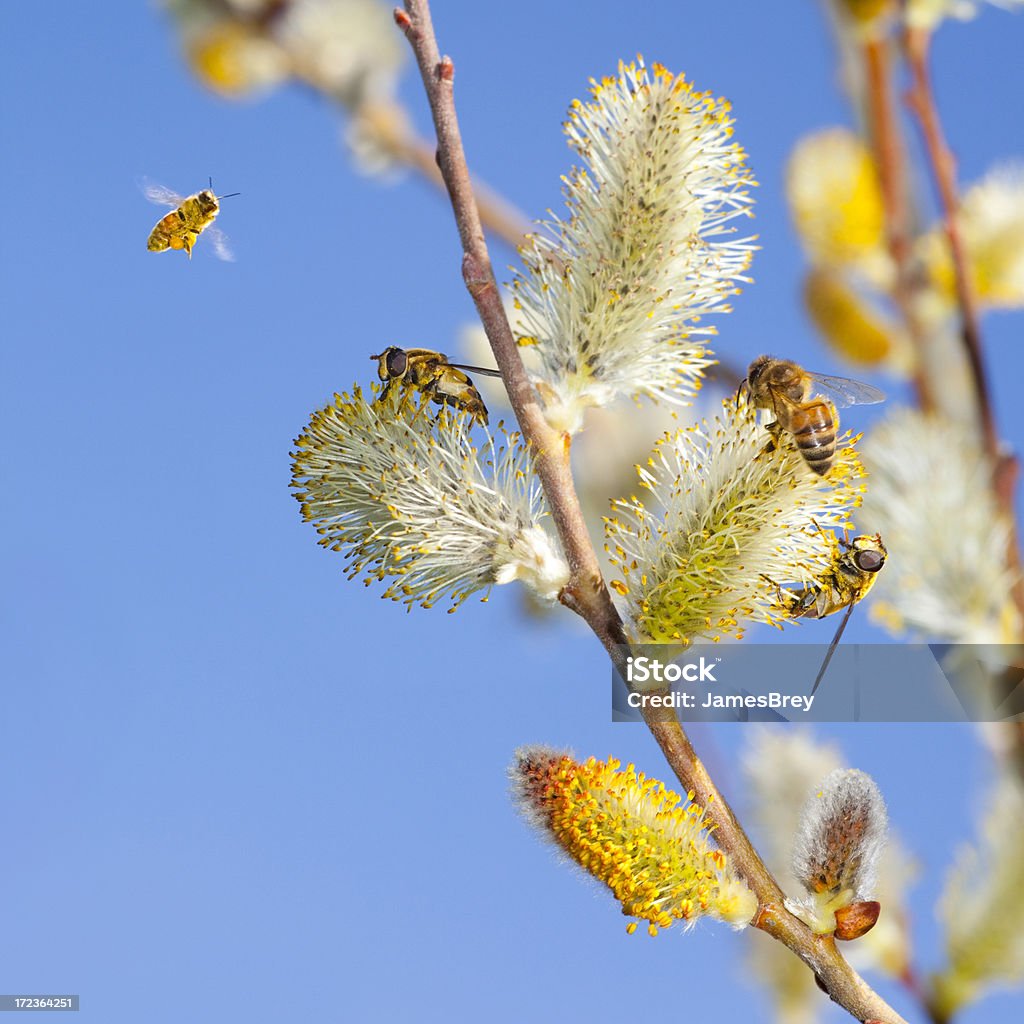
210, 180
229, 195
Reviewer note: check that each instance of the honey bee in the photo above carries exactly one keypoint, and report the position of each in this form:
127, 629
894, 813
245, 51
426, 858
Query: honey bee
430, 373
853, 567
787, 389
191, 217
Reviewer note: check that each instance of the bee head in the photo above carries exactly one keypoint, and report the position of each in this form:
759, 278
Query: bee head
207, 200
756, 368
392, 363
868, 553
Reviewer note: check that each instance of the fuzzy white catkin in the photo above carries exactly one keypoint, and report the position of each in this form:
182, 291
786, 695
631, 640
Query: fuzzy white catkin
946, 576
610, 297
407, 495
839, 840
983, 903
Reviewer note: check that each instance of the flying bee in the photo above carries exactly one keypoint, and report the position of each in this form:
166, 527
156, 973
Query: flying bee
853, 567
430, 373
192, 215
788, 390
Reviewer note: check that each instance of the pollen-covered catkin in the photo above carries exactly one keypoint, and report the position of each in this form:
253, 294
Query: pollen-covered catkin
633, 834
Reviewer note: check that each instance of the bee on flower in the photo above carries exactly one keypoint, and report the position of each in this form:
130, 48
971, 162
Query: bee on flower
430, 373
796, 397
725, 506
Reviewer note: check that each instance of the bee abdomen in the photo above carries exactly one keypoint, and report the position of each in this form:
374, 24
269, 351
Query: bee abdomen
160, 236
819, 451
815, 438
469, 400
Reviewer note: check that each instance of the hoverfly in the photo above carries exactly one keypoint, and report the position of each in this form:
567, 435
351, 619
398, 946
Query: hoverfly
193, 215
429, 372
853, 567
788, 390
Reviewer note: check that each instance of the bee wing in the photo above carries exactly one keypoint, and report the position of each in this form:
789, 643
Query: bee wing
476, 369
160, 194
848, 392
447, 384
220, 244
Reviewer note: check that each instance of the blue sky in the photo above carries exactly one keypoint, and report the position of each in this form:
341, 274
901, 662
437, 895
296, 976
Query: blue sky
235, 785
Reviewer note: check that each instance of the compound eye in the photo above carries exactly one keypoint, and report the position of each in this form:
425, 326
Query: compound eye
869, 561
396, 362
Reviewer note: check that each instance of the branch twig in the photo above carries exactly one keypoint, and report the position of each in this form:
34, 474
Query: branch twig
921, 100
890, 161
586, 593
387, 121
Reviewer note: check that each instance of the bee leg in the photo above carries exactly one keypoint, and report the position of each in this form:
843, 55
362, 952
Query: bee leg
774, 429
439, 398
785, 598
430, 391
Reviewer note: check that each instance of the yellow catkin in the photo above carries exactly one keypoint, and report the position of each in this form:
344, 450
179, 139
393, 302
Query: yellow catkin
634, 835
836, 199
844, 320
866, 11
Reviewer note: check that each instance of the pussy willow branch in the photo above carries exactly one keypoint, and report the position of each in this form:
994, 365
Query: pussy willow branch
921, 100
586, 593
890, 156
890, 160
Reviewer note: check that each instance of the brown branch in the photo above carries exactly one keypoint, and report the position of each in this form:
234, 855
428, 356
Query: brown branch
921, 100
819, 952
586, 593
890, 160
